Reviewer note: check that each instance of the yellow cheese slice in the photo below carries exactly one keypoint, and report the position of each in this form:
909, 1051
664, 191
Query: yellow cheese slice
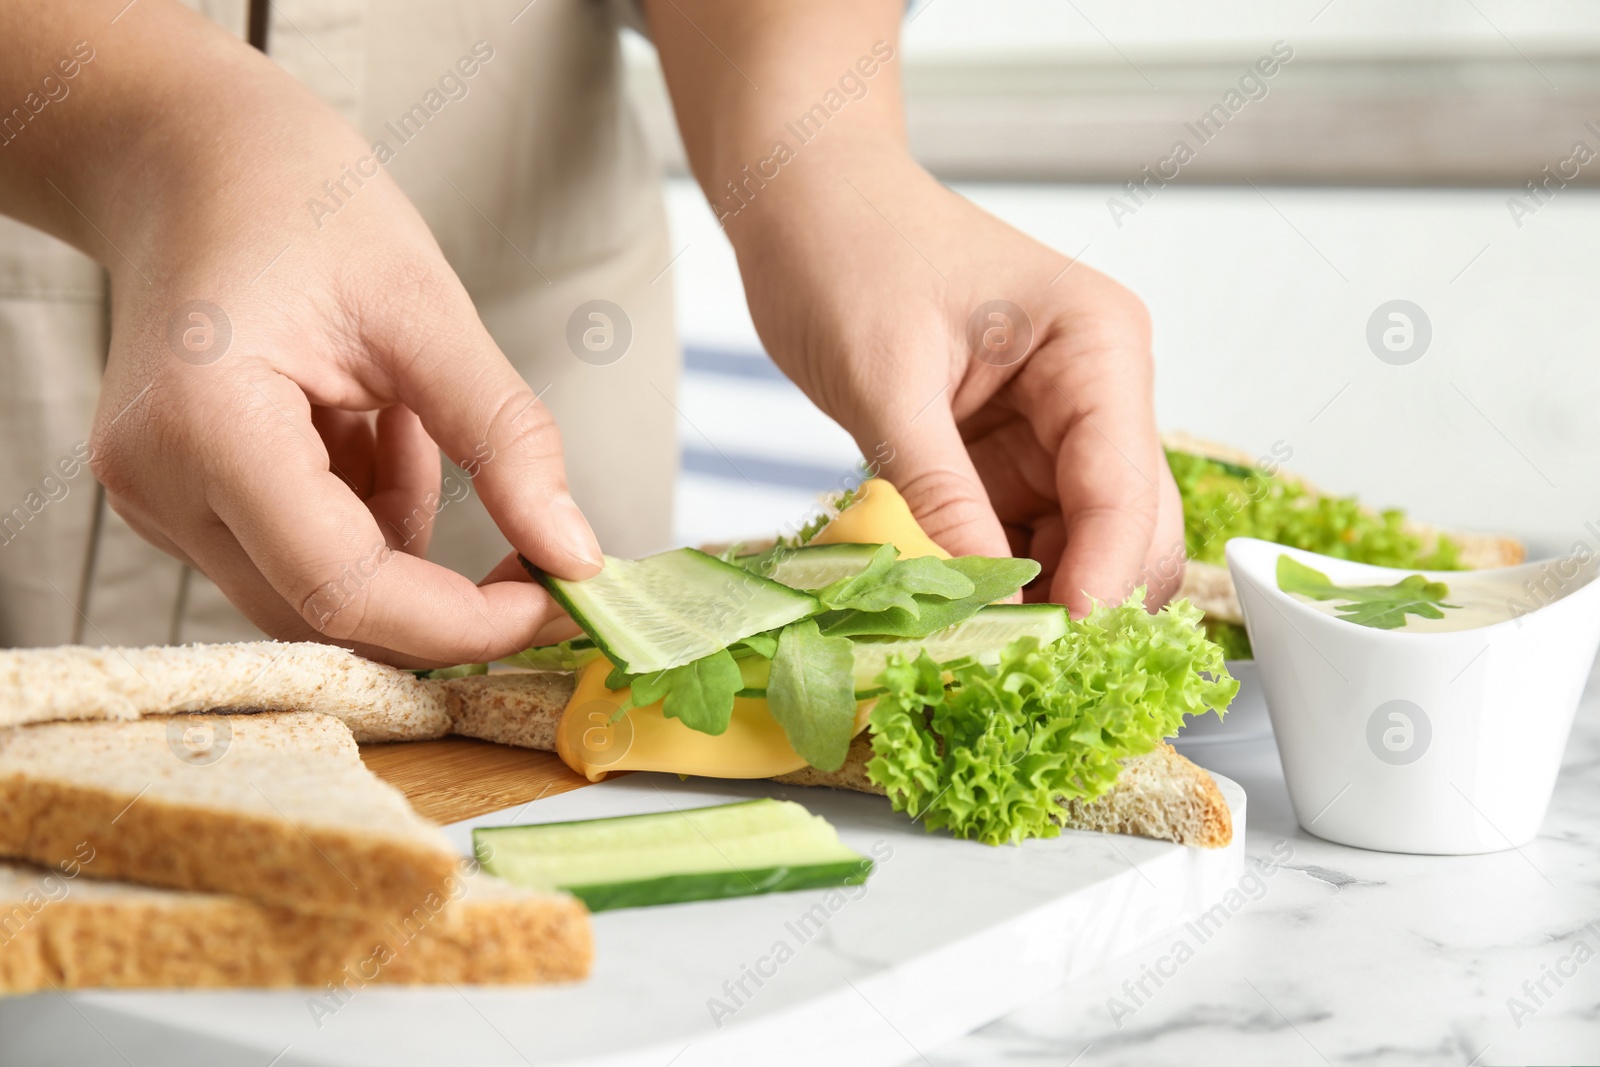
594, 741
880, 515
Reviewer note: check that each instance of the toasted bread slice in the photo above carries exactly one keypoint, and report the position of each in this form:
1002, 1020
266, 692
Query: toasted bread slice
1210, 588
1159, 794
276, 807
78, 933
378, 703
521, 709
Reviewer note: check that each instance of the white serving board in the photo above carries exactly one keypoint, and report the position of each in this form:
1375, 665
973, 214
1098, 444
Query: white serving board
946, 936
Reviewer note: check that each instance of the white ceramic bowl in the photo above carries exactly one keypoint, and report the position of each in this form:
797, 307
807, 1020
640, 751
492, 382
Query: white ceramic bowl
1444, 743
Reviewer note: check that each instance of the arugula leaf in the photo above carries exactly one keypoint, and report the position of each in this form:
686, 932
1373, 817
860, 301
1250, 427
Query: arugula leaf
811, 692
1382, 607
992, 580
995, 755
765, 645
888, 582
699, 693
621, 679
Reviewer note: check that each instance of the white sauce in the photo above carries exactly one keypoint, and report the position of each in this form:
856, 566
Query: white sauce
1481, 599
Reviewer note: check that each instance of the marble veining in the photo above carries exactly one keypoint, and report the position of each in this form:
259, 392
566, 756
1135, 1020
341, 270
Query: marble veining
1355, 957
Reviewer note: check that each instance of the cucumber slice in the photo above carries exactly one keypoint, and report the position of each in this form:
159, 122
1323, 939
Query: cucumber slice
666, 610
756, 669
814, 566
980, 638
732, 850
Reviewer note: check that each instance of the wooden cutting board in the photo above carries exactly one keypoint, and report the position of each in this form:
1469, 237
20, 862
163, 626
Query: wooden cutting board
458, 778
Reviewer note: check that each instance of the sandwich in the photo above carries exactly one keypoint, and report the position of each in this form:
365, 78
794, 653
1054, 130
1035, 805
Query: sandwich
1228, 493
860, 655
856, 654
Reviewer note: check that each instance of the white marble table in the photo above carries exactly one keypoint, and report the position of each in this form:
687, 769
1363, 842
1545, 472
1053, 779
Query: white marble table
1354, 957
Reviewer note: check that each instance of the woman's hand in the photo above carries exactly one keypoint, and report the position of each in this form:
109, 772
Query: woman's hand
877, 290
281, 380
1010, 385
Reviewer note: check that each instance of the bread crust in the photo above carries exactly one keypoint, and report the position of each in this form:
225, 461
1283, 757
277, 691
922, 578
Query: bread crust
81, 934
377, 702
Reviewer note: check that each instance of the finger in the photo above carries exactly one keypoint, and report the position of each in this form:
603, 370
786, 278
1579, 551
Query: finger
487, 419
1108, 503
220, 558
559, 628
1164, 564
323, 553
509, 569
146, 528
932, 470
1047, 545
405, 486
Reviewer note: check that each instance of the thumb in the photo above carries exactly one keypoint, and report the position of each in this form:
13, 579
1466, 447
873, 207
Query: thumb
492, 425
931, 468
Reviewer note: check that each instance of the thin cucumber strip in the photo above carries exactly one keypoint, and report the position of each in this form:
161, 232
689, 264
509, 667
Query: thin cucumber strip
714, 885
666, 610
980, 638
756, 669
758, 846
815, 566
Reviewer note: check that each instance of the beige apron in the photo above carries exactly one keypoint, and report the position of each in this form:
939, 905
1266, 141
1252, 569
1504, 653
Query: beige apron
535, 179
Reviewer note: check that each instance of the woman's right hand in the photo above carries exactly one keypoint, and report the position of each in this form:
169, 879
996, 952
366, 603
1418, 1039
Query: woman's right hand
280, 381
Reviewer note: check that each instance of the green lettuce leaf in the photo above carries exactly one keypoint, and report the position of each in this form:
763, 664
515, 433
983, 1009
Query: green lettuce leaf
699, 693
1223, 501
992, 580
888, 582
831, 506
460, 670
1383, 607
1231, 636
811, 692
994, 754
567, 656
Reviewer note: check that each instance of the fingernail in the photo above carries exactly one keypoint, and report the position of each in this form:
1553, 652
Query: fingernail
573, 532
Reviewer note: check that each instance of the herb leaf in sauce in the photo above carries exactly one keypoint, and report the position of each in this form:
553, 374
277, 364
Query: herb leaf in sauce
1383, 607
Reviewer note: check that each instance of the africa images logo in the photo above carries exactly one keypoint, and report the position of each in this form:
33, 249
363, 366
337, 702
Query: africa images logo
1398, 732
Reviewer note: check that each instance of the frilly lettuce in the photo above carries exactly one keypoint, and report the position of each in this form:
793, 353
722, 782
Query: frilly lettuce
993, 754
1223, 501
